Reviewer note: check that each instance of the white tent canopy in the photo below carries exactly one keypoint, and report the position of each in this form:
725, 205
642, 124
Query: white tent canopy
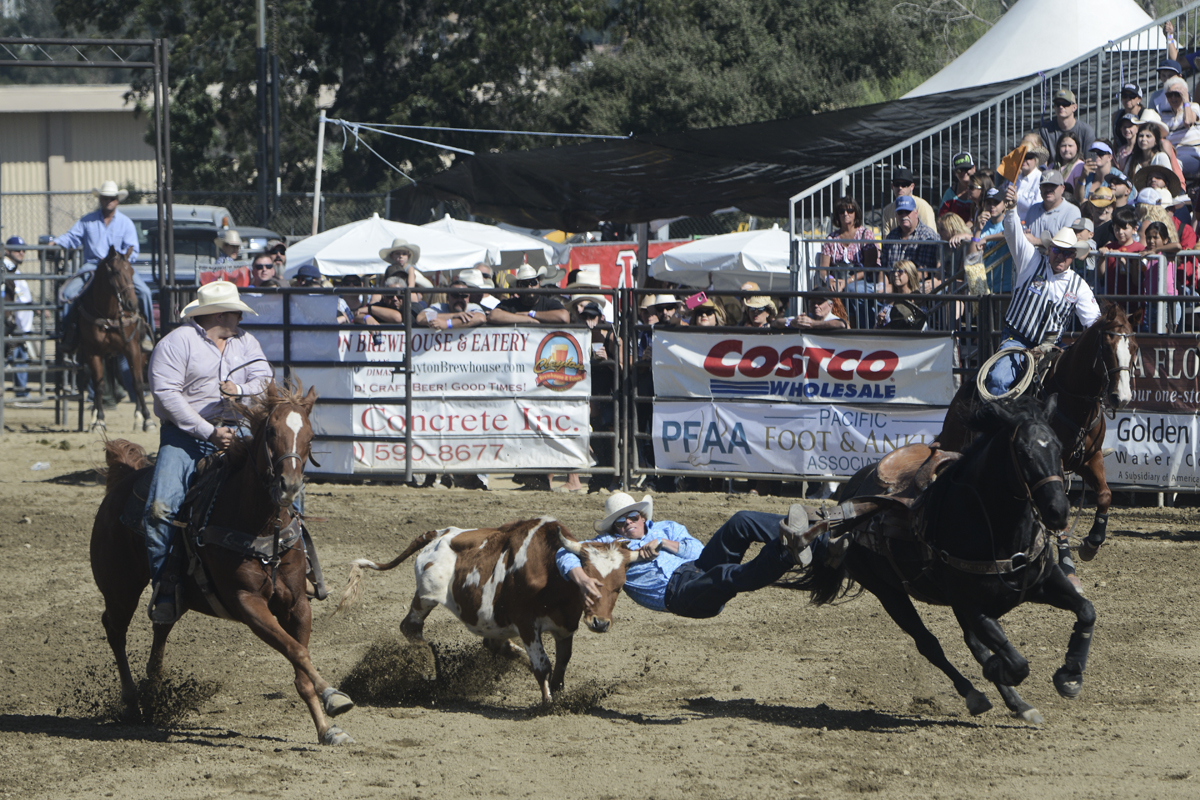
1038, 35
353, 249
502, 246
726, 262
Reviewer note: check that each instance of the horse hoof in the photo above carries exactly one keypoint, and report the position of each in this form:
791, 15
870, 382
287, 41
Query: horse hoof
149, 425
336, 702
977, 703
1030, 715
1087, 550
98, 425
1068, 685
335, 735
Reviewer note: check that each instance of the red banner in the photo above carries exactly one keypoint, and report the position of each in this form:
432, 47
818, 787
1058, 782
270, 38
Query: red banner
614, 260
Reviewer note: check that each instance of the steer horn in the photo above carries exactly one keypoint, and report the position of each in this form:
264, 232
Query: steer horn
572, 545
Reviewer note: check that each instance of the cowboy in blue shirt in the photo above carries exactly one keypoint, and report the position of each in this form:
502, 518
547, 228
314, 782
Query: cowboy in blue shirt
95, 233
676, 573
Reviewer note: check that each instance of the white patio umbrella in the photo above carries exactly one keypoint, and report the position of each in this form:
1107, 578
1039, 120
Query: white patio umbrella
506, 249
353, 249
726, 262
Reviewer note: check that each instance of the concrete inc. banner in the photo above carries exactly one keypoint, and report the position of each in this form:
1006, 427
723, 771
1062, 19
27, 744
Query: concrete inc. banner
804, 368
484, 398
785, 438
1148, 450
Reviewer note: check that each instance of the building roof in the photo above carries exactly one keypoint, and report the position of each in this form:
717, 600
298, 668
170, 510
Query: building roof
43, 97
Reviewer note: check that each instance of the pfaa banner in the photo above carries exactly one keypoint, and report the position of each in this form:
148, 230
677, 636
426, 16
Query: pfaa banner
783, 438
804, 368
1152, 451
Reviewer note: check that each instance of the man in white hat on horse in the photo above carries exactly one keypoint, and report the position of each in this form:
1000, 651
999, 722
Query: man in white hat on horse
193, 371
676, 573
95, 233
1045, 291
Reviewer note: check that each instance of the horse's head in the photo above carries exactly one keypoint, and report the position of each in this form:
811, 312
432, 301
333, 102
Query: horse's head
283, 441
119, 273
1116, 350
1037, 456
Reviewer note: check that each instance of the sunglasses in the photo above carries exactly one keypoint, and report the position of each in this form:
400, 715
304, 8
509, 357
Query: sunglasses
901, 184
1063, 103
457, 295
1063, 252
844, 211
264, 266
630, 518
529, 284
706, 312
1174, 94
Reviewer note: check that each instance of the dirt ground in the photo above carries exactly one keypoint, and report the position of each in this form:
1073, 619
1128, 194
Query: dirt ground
773, 698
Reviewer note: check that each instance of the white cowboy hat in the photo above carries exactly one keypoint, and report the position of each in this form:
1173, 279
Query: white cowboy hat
228, 236
215, 297
1149, 115
587, 280
760, 301
109, 189
619, 504
528, 273
659, 300
474, 278
1065, 238
402, 244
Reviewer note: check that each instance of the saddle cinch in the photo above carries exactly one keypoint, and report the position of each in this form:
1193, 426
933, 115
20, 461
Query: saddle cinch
900, 478
196, 532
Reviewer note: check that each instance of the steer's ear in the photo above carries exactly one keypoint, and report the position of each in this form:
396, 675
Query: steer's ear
572, 545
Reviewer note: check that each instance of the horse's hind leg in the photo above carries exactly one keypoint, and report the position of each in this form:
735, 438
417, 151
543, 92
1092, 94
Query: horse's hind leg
96, 365
1012, 699
900, 608
1057, 591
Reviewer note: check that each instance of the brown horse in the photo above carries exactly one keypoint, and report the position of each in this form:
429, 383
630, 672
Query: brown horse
1091, 375
109, 324
263, 475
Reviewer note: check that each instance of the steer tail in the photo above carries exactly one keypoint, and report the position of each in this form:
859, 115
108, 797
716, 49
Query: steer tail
353, 591
123, 458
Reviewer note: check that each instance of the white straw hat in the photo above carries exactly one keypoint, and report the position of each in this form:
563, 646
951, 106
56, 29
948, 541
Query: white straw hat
215, 297
109, 189
619, 504
402, 244
1065, 238
228, 236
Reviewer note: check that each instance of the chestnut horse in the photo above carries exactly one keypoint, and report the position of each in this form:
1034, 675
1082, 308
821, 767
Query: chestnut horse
263, 475
1091, 375
109, 324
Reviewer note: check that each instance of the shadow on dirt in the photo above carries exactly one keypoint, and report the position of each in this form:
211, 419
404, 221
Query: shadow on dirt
821, 716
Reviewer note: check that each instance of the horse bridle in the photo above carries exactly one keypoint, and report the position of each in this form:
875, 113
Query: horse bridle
1029, 490
123, 291
273, 464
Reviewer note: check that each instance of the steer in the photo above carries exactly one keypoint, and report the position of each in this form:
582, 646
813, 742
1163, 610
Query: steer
503, 582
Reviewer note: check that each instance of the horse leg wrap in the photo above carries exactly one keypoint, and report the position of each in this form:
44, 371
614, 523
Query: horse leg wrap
1065, 562
1095, 538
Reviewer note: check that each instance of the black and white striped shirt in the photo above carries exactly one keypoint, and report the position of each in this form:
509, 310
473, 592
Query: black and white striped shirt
1042, 299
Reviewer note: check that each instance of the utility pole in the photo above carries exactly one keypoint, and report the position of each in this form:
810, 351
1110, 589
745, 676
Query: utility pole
263, 164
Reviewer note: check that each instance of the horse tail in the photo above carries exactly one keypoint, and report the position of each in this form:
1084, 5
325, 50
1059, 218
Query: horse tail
353, 591
123, 458
823, 582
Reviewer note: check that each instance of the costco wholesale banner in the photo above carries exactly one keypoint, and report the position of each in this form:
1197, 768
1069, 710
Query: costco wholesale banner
785, 438
486, 398
804, 368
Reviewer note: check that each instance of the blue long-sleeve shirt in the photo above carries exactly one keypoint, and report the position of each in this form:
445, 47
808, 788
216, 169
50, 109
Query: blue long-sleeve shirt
94, 237
646, 581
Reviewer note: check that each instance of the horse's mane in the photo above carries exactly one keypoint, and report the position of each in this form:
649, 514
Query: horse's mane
991, 418
258, 411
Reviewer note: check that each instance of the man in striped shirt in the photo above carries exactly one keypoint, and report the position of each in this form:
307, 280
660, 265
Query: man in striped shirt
1045, 291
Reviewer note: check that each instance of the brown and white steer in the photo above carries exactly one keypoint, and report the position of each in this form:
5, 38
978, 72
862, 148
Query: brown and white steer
503, 582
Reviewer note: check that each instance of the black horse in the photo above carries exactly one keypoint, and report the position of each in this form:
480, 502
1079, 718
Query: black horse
975, 540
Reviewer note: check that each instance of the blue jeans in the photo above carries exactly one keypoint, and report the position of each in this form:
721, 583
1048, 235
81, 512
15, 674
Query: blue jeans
74, 286
178, 453
700, 589
1004, 372
19, 356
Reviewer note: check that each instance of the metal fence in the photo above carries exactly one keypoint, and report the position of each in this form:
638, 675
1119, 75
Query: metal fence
991, 129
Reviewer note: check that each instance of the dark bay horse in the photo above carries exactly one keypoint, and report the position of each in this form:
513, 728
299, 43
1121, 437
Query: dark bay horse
1091, 375
109, 324
264, 474
976, 541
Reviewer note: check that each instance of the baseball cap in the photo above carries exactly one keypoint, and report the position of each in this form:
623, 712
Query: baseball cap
1101, 197
1148, 197
273, 243
1082, 224
994, 193
1100, 147
906, 204
962, 160
903, 175
1052, 176
309, 271
14, 241
1170, 64
591, 310
1065, 94
1132, 88
1116, 176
